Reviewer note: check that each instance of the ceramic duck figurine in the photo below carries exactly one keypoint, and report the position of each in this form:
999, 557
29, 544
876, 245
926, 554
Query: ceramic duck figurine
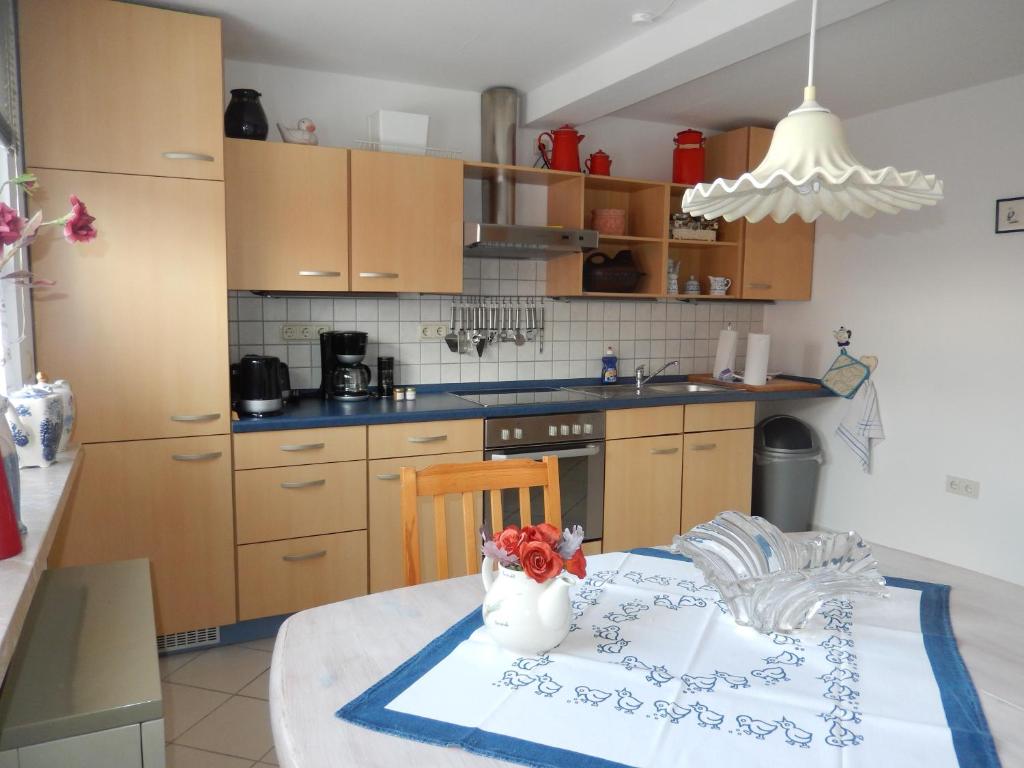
304, 133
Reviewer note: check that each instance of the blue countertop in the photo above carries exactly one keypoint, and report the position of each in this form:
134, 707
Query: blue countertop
434, 402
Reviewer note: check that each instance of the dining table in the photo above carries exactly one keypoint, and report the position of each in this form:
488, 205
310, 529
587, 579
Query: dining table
326, 656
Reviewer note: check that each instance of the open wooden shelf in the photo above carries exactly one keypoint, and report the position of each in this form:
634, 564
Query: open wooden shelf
615, 295
626, 239
702, 243
517, 173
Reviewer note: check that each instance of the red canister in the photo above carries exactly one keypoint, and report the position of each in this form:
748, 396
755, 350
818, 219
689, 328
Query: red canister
688, 157
599, 164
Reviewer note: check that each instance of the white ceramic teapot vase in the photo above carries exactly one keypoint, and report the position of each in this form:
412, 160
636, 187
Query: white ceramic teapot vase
522, 615
38, 432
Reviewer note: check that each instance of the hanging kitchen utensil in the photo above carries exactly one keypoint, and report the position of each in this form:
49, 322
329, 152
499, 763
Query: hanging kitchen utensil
540, 329
463, 330
452, 338
482, 331
519, 337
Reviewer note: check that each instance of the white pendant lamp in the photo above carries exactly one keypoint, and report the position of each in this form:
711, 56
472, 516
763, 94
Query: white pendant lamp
809, 170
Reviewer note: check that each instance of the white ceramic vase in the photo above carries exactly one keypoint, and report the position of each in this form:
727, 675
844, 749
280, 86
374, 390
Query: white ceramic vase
63, 389
40, 425
522, 615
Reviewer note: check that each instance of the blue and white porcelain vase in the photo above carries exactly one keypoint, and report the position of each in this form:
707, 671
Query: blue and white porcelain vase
9, 456
62, 388
41, 425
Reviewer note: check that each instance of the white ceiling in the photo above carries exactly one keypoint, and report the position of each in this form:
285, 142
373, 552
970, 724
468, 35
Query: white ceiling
901, 51
708, 63
467, 44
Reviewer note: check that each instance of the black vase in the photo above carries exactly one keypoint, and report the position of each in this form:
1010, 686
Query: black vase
244, 117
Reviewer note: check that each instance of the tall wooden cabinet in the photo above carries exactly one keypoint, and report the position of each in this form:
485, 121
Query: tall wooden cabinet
122, 107
287, 216
776, 259
121, 88
406, 223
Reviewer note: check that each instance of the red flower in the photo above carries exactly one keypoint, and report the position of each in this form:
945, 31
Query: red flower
11, 224
509, 539
543, 532
539, 561
577, 564
78, 226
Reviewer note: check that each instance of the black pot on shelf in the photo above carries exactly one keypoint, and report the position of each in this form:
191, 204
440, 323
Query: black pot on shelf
244, 117
611, 275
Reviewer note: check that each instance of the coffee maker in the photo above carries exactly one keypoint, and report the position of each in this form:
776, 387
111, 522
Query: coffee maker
344, 377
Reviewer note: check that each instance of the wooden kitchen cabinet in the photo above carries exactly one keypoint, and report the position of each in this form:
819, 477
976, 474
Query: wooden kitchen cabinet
385, 521
287, 216
165, 500
138, 320
776, 260
717, 472
121, 88
642, 482
406, 223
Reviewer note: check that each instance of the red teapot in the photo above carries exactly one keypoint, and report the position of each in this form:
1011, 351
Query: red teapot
688, 157
565, 153
599, 164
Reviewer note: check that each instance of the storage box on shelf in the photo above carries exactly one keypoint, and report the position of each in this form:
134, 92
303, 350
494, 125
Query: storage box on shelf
300, 518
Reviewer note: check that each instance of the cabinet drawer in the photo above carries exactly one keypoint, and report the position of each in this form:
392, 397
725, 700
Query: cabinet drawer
287, 576
286, 502
425, 438
286, 448
712, 416
644, 422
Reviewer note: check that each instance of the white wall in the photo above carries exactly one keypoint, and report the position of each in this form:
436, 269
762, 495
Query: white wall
340, 104
937, 296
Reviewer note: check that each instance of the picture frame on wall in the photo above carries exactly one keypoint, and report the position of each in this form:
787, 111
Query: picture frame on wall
1009, 215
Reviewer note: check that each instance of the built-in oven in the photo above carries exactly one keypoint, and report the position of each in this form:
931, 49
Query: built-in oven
577, 439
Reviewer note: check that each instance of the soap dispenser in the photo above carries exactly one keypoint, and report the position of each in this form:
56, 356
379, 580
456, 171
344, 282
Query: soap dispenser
609, 367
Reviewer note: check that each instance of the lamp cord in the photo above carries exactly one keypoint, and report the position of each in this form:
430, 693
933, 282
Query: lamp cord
814, 25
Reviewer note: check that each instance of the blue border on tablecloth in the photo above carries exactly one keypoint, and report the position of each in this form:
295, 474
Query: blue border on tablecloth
972, 739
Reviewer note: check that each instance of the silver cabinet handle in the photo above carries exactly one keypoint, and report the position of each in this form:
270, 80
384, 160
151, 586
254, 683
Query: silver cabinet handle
303, 483
762, 286
195, 417
197, 456
705, 446
388, 476
428, 439
188, 156
318, 273
302, 447
663, 451
379, 274
304, 556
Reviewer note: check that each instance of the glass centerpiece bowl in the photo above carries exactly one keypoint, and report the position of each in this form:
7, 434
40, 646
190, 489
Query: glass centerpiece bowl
773, 582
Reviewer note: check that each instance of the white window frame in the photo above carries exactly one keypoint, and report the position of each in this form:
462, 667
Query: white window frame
16, 340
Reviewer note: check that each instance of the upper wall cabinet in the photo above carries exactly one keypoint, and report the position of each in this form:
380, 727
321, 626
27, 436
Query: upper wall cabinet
137, 90
287, 216
406, 223
776, 259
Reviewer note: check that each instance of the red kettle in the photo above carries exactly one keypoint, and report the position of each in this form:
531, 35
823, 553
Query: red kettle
688, 157
599, 163
565, 153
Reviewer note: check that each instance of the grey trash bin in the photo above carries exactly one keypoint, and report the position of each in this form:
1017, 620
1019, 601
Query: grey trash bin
786, 462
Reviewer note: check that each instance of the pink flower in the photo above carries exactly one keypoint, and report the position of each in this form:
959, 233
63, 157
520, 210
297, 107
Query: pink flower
78, 226
11, 224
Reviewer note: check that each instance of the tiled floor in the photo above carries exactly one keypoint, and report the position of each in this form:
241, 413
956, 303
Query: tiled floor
215, 707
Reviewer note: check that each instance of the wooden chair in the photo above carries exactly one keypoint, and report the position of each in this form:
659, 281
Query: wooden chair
467, 479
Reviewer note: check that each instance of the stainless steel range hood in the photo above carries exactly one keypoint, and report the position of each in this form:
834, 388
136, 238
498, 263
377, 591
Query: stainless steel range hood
499, 120
518, 241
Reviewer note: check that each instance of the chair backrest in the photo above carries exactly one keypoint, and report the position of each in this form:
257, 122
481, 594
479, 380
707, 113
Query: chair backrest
441, 480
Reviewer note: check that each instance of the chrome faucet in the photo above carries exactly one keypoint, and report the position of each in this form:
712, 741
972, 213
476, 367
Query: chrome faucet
642, 369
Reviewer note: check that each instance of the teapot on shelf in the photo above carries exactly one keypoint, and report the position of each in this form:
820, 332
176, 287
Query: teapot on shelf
523, 615
565, 152
41, 421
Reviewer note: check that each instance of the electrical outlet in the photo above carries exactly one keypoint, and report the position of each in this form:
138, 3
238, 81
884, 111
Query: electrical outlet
303, 331
431, 331
963, 487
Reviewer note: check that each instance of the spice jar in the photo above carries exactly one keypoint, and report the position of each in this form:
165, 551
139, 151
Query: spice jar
399, 393
410, 393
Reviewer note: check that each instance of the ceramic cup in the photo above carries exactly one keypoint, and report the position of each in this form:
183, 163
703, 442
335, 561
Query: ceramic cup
718, 285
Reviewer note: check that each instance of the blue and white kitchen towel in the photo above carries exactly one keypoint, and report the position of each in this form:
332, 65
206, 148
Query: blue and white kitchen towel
862, 424
656, 673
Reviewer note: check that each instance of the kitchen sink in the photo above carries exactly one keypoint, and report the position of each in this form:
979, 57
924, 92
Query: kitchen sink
611, 391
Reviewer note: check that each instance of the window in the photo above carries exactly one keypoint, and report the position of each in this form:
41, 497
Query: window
15, 306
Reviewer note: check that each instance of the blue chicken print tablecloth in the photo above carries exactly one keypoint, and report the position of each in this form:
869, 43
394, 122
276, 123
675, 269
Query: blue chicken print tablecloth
655, 673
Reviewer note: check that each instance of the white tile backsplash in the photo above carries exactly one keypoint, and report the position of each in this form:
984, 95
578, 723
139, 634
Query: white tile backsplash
576, 335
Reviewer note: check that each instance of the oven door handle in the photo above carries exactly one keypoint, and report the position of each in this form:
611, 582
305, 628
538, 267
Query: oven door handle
568, 453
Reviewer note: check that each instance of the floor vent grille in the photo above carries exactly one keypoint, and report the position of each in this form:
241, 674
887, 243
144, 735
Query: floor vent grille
194, 638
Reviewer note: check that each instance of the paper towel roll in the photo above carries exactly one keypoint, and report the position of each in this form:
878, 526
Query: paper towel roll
756, 370
725, 354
